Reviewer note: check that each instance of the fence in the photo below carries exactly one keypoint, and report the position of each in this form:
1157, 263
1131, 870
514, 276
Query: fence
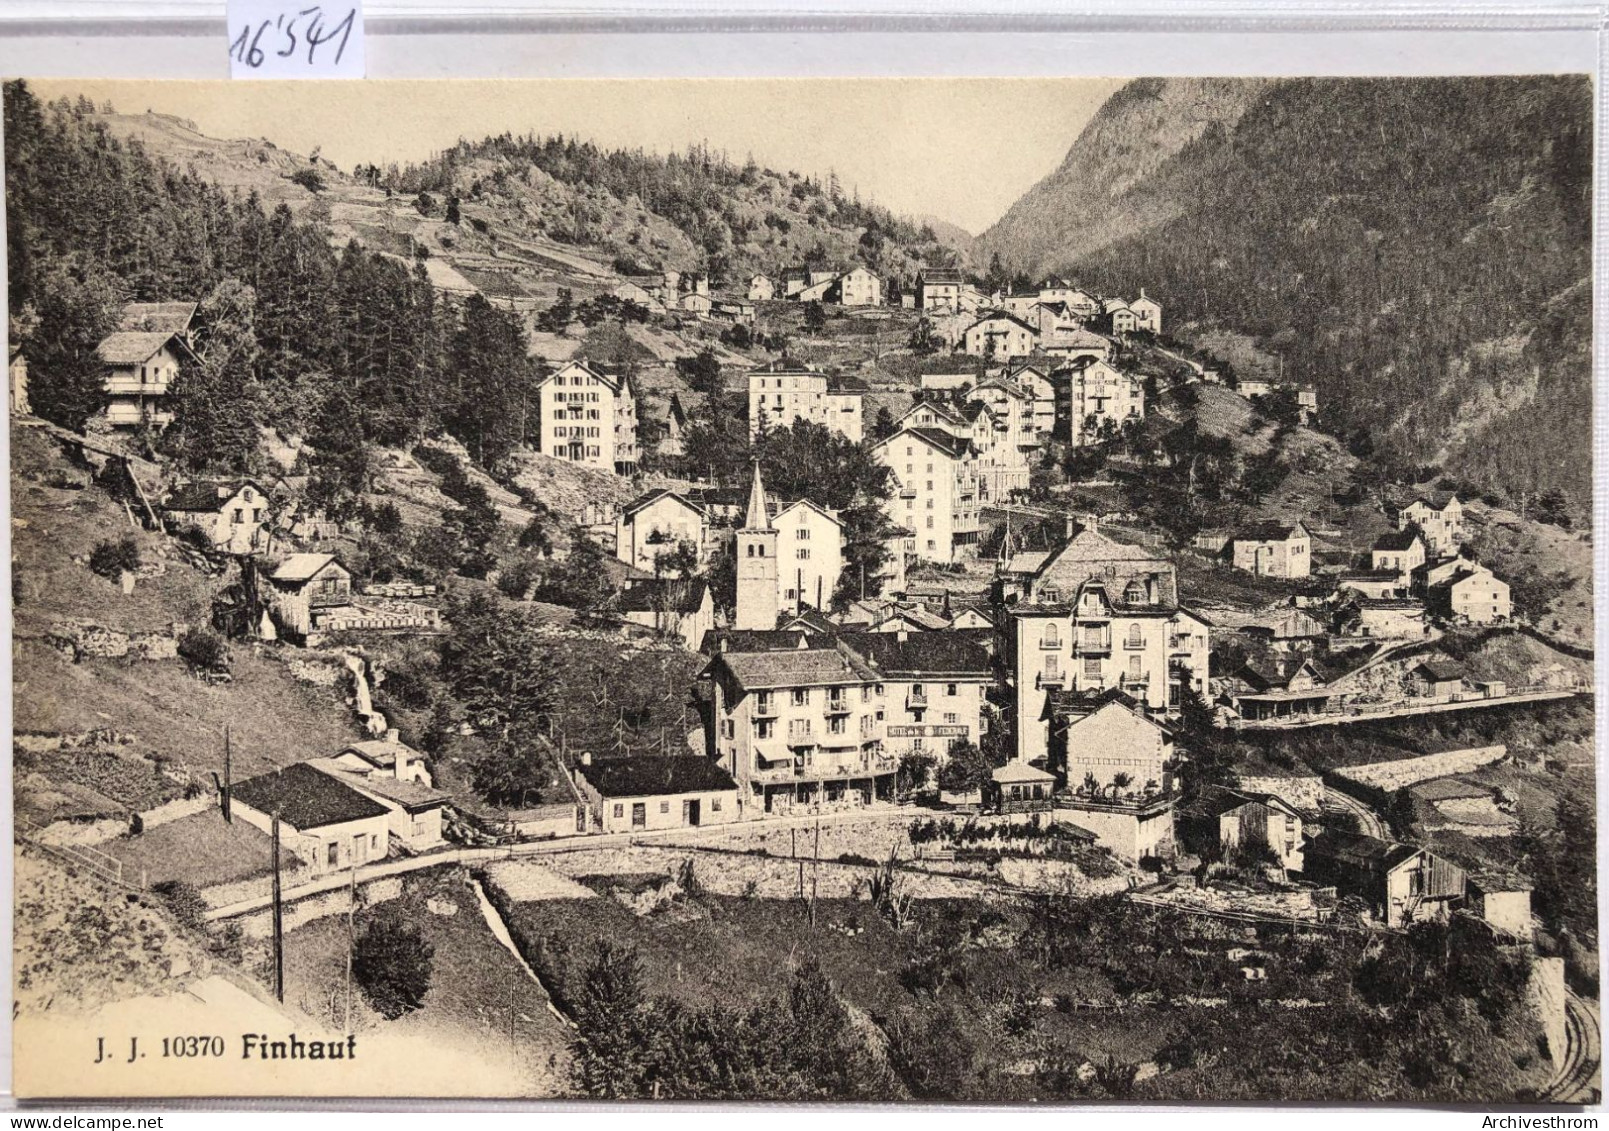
103, 865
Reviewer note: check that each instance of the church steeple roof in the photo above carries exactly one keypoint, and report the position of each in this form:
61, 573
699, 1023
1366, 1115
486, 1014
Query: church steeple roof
757, 517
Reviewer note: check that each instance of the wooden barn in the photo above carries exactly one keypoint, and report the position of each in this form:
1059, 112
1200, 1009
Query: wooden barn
1401, 882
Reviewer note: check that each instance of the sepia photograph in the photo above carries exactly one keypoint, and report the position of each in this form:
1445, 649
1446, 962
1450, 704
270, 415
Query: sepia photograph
862, 591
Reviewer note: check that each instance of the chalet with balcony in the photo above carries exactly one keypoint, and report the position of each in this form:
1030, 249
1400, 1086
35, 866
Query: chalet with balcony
939, 289
813, 720
652, 527
1399, 550
1439, 520
799, 730
141, 366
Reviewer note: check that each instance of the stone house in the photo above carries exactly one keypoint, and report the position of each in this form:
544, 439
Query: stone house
232, 513
1475, 596
1440, 523
1273, 549
589, 416
936, 495
682, 608
1399, 550
1398, 618
999, 336
638, 794
327, 823
1233, 818
1105, 739
655, 524
939, 289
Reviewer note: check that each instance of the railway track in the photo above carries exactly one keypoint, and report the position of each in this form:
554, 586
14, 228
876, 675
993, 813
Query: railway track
1577, 1080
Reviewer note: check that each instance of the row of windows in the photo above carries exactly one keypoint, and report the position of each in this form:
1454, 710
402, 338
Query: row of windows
1093, 667
577, 380
560, 431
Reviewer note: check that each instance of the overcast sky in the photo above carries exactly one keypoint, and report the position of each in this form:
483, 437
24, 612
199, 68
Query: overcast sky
959, 149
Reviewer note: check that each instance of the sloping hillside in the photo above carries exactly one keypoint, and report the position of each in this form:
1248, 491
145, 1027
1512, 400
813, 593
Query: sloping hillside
1112, 183
1417, 249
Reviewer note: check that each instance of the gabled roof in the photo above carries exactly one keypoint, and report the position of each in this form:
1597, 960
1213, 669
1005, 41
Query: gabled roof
955, 447
157, 317
817, 507
936, 653
381, 752
1000, 316
664, 594
612, 377
655, 777
938, 408
301, 567
306, 797
819, 663
655, 496
130, 347
1216, 800
1015, 771
811, 621
413, 796
207, 495
1397, 539
1005, 385
1078, 339
1440, 669
754, 640
1360, 851
1270, 532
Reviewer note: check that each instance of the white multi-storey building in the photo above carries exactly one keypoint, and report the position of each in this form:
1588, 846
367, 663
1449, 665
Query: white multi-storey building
781, 393
806, 722
1095, 615
810, 555
589, 417
1090, 394
936, 495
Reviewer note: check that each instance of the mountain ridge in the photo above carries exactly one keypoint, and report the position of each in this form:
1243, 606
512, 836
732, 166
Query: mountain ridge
1416, 249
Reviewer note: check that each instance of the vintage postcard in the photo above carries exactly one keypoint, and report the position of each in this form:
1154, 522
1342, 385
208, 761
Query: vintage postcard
875, 591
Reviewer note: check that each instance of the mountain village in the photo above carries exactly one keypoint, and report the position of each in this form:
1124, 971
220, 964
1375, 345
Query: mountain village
1001, 679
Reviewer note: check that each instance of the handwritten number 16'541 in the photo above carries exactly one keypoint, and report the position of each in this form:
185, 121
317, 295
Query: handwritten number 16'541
288, 33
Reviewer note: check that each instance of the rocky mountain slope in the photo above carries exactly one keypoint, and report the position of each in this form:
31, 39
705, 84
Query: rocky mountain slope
1417, 249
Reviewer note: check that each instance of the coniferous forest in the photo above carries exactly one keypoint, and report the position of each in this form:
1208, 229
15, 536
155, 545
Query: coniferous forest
341, 345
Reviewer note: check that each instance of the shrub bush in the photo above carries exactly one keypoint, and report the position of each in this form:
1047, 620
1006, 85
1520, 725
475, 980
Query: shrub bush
110, 559
393, 965
183, 901
204, 650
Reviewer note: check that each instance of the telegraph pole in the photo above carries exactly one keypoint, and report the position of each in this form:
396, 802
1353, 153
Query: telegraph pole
279, 920
228, 778
351, 940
